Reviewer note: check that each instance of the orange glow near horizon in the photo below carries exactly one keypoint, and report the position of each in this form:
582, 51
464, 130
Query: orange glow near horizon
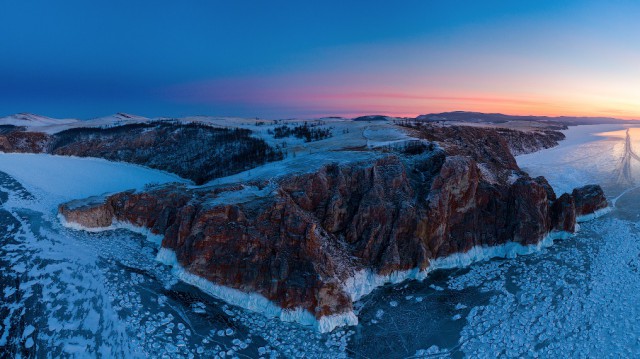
414, 90
532, 73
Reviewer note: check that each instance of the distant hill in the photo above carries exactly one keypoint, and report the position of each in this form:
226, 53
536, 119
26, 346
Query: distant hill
479, 117
30, 120
371, 118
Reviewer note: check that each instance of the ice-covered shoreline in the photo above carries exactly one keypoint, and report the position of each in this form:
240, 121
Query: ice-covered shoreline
152, 237
358, 286
255, 301
598, 213
573, 162
68, 177
361, 284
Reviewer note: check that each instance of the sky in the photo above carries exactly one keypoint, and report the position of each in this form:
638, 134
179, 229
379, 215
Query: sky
305, 59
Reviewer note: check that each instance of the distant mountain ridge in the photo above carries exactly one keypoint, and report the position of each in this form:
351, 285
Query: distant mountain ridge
33, 120
479, 117
52, 125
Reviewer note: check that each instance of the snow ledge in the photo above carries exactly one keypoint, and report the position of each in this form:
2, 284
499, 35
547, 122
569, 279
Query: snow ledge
599, 213
155, 238
365, 281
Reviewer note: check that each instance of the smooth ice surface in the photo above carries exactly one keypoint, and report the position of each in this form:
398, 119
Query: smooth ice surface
69, 178
589, 154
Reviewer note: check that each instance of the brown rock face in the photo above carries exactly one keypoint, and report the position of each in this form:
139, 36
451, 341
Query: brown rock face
589, 199
563, 213
15, 139
92, 212
297, 245
521, 143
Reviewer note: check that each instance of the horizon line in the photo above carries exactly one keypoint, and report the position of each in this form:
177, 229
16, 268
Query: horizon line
338, 114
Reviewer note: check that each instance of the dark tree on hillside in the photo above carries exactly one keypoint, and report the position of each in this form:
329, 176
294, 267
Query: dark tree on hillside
305, 131
195, 151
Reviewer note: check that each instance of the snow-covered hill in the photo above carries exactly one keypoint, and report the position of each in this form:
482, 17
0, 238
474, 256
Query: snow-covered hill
34, 122
53, 125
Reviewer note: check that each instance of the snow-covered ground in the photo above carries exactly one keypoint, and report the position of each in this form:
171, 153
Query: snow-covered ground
347, 144
36, 122
64, 178
52, 125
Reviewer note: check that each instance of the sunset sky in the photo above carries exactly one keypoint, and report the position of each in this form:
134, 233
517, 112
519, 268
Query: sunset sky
280, 59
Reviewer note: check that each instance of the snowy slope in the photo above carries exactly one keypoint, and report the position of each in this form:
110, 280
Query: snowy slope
348, 143
34, 122
52, 125
117, 119
350, 139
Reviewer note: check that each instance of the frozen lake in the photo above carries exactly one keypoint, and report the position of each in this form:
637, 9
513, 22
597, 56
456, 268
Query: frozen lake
70, 293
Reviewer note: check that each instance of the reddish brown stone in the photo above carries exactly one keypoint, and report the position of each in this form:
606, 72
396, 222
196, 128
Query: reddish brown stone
563, 213
589, 199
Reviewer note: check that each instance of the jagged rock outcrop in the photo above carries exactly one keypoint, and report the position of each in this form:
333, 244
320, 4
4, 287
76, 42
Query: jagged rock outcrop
304, 236
563, 213
17, 139
588, 199
92, 212
523, 142
516, 141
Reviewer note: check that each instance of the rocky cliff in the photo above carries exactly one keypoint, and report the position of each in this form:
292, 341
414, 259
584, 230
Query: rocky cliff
312, 243
523, 142
17, 139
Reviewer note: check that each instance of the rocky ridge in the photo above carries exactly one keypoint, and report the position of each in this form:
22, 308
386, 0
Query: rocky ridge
191, 150
313, 243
